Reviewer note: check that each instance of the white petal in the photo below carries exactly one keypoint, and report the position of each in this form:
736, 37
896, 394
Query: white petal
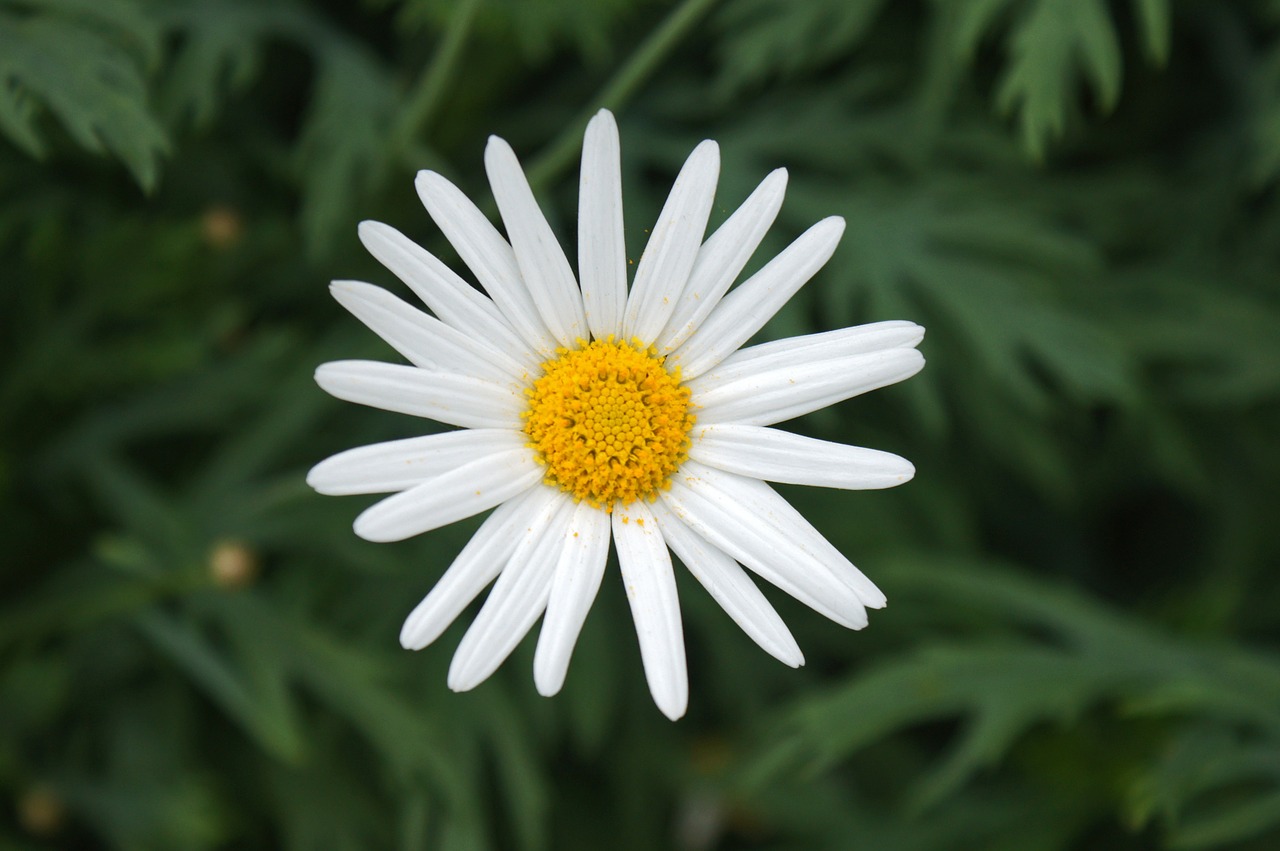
721, 259
782, 394
737, 531
516, 601
480, 561
602, 250
474, 487
443, 396
400, 464
543, 266
745, 310
573, 590
811, 348
800, 539
447, 295
487, 255
673, 246
730, 586
424, 340
651, 590
779, 456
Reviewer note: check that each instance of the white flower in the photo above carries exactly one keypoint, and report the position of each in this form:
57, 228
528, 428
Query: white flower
590, 413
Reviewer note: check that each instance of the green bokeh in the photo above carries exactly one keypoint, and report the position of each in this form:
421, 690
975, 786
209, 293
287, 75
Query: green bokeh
1078, 198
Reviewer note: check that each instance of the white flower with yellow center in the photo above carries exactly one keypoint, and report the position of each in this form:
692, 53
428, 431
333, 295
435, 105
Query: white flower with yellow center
592, 412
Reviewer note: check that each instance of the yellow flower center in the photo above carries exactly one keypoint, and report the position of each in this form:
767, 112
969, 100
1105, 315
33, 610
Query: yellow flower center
609, 422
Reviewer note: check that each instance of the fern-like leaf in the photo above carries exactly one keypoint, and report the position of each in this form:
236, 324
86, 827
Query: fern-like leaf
345, 139
219, 50
1084, 655
88, 72
1051, 43
779, 38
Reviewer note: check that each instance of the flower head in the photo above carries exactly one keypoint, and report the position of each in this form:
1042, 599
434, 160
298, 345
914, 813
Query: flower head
591, 412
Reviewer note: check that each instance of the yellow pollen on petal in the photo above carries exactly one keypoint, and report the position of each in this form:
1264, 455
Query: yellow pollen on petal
609, 422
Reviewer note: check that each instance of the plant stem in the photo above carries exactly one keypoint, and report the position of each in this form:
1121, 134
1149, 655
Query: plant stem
426, 95
559, 154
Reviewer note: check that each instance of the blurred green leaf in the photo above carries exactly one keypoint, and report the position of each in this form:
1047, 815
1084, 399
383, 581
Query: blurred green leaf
75, 60
259, 700
1051, 43
220, 52
1209, 762
535, 27
342, 153
766, 38
1077, 653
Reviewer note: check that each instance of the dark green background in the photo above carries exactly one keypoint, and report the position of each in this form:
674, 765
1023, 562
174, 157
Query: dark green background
1078, 199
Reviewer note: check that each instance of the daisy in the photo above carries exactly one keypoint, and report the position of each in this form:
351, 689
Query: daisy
589, 412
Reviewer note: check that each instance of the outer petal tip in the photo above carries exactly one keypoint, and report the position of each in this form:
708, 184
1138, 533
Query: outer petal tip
322, 374
457, 681
604, 117
547, 683
775, 183
879, 601
497, 145
340, 289
463, 680
408, 639
370, 532
707, 156
426, 180
675, 711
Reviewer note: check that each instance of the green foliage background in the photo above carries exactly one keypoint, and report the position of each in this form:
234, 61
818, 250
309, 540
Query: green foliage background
1078, 198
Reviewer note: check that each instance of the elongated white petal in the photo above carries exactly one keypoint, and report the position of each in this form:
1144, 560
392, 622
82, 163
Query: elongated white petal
447, 397
474, 487
803, 542
651, 590
722, 258
573, 590
779, 456
543, 266
517, 599
739, 533
487, 255
673, 246
400, 464
745, 310
424, 340
447, 295
730, 586
811, 348
782, 394
602, 250
480, 561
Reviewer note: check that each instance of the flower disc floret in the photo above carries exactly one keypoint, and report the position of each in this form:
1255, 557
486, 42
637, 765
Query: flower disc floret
609, 422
